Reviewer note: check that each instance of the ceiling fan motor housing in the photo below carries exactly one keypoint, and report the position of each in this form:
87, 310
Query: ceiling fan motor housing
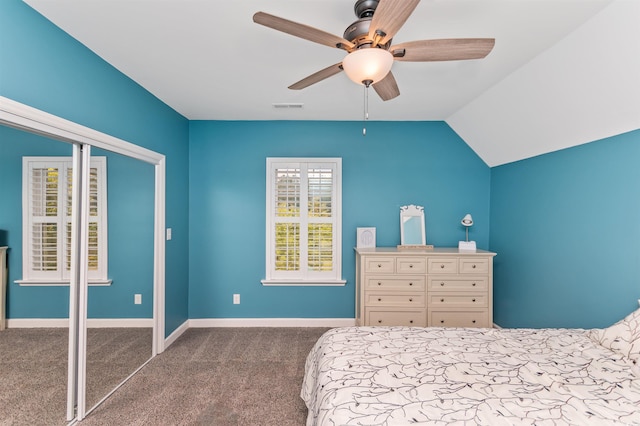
365, 8
358, 32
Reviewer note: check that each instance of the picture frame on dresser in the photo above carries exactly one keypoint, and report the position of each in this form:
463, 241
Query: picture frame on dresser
366, 237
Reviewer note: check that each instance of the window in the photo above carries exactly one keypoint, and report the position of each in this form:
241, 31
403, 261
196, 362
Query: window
46, 221
304, 221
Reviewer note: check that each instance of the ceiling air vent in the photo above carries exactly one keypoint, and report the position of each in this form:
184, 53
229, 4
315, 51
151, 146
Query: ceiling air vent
287, 106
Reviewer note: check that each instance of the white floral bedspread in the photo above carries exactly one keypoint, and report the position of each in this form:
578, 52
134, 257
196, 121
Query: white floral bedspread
446, 376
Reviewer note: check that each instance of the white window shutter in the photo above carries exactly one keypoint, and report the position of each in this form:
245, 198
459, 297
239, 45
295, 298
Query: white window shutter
47, 219
303, 221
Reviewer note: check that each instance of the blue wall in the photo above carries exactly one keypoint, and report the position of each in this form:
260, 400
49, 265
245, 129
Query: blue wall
566, 228
130, 203
396, 164
46, 68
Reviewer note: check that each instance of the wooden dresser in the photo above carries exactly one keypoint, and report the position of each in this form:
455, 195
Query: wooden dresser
441, 287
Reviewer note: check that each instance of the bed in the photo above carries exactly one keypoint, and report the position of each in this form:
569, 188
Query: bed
442, 376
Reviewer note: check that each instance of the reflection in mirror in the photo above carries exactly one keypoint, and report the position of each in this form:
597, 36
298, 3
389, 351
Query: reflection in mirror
33, 361
119, 334
412, 226
20, 116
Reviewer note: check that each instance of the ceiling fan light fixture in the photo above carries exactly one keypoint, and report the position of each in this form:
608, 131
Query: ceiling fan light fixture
367, 65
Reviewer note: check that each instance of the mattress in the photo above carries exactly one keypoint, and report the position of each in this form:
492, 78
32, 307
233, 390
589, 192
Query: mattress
447, 376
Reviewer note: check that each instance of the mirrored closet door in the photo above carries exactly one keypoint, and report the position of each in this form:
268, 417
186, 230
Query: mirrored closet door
138, 222
34, 361
120, 311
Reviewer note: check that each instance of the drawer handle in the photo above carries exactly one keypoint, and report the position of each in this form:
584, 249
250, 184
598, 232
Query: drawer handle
442, 284
379, 299
441, 266
410, 300
410, 265
473, 300
473, 285
410, 321
442, 300
474, 321
441, 321
379, 283
379, 265
410, 283
379, 321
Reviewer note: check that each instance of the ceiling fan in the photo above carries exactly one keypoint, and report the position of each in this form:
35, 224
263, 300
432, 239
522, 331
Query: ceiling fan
368, 43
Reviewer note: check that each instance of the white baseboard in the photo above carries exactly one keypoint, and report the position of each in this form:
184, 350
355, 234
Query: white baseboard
120, 322
176, 333
91, 323
195, 323
38, 323
272, 322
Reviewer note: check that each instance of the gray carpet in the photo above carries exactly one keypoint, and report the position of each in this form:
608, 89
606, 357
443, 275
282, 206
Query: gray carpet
33, 367
33, 370
112, 355
217, 376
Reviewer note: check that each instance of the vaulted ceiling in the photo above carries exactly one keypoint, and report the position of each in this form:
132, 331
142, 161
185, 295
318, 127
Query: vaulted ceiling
562, 72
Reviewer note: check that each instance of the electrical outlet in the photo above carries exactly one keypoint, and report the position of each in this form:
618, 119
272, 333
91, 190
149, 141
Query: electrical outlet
137, 299
236, 299
168, 234
638, 302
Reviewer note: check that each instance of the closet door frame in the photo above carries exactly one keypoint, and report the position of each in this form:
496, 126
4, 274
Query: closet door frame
20, 116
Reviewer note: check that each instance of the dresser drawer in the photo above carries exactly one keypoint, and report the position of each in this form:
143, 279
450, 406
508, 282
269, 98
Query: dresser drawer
442, 265
474, 266
398, 284
444, 318
406, 300
380, 265
461, 300
415, 318
411, 265
458, 283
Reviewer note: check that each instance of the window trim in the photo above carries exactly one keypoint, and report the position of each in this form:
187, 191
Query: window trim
98, 277
332, 279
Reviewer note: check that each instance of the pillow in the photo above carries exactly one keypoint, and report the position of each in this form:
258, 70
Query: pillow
622, 337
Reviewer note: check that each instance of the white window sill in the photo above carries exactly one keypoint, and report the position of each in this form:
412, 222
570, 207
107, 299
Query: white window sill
303, 283
34, 283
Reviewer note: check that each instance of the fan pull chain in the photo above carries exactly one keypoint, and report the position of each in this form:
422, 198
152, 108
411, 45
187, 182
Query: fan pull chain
366, 110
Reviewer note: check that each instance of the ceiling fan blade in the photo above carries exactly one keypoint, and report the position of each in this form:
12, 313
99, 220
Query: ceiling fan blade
389, 16
387, 88
303, 31
451, 49
317, 77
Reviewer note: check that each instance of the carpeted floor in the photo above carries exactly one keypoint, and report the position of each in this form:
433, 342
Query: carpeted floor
220, 377
112, 355
33, 370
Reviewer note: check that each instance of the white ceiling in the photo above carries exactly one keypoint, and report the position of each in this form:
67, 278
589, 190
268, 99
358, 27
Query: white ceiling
562, 73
